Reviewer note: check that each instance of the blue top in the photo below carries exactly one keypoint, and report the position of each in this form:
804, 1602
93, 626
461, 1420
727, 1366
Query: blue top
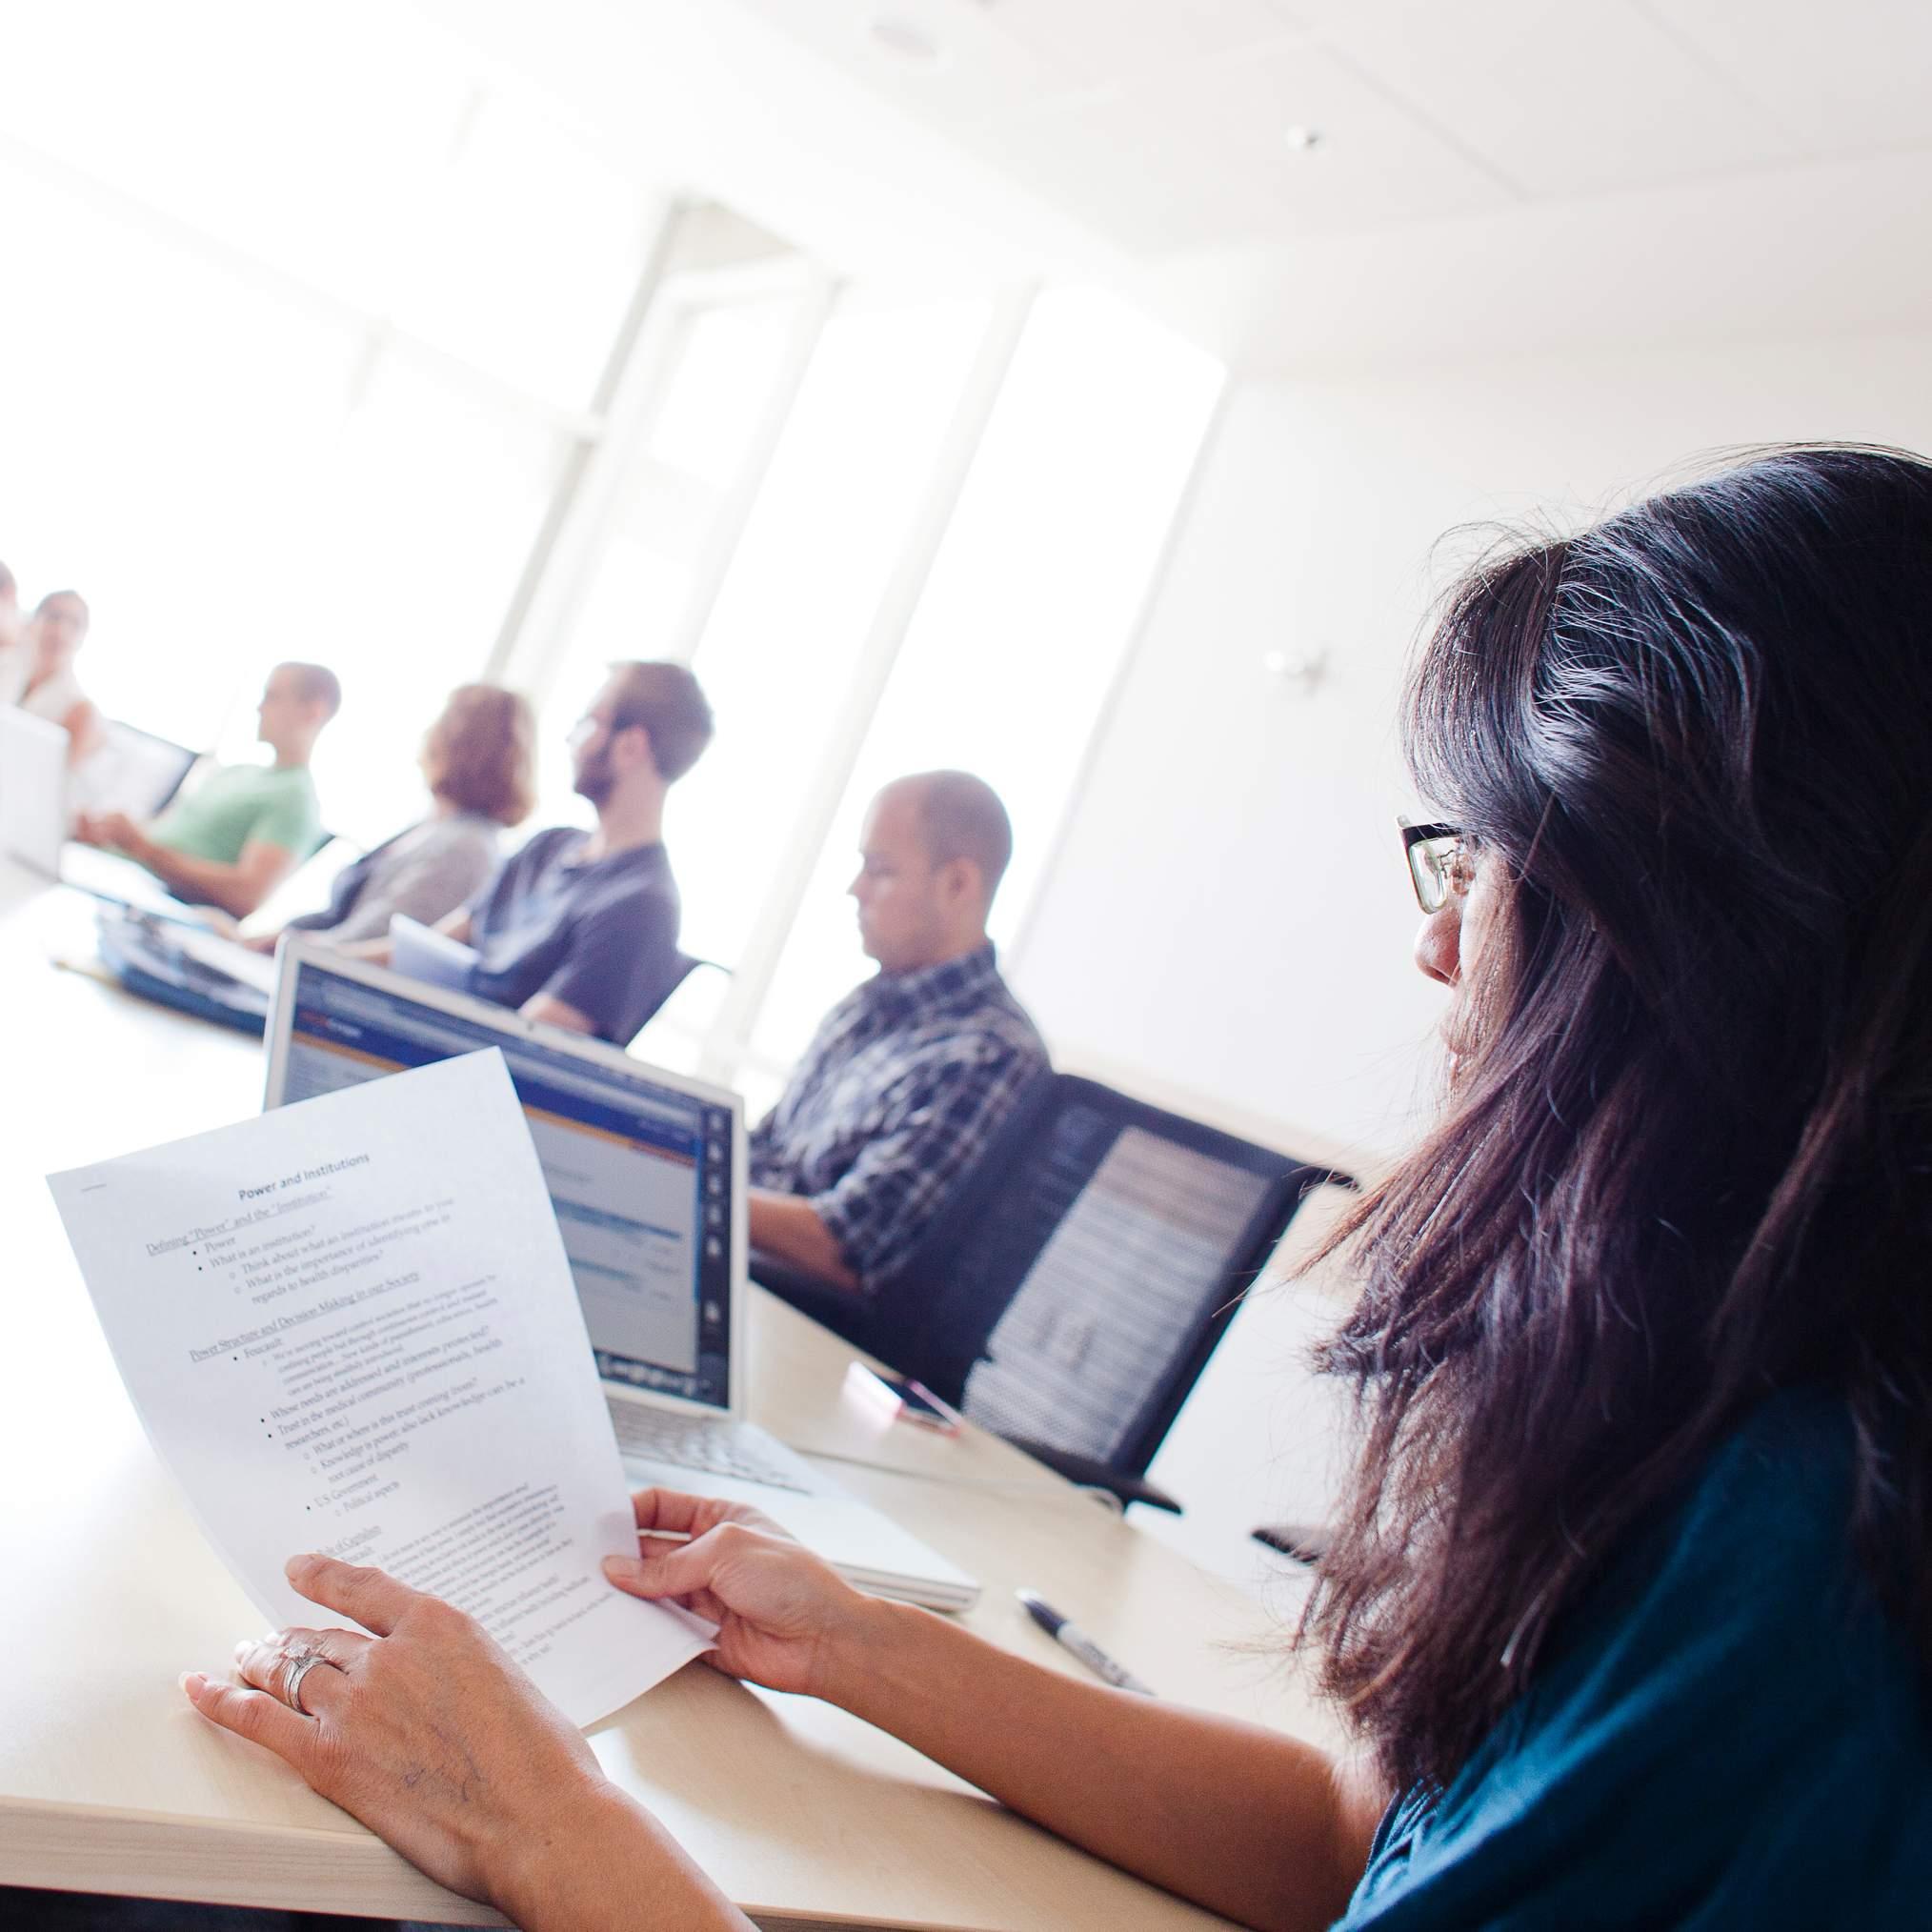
599, 935
1731, 1734
906, 1081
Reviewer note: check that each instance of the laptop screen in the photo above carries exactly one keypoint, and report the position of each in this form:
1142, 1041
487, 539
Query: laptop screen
33, 786
640, 1171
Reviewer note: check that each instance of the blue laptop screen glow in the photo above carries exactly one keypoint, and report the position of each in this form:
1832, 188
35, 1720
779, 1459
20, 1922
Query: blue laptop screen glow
639, 1173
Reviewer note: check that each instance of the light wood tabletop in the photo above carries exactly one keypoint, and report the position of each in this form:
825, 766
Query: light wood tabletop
110, 1782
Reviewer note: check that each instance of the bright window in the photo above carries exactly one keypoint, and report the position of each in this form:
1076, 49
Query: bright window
306, 312
326, 339
162, 450
1032, 601
415, 531
805, 584
302, 139
716, 367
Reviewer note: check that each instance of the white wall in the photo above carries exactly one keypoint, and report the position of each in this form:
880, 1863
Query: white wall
1228, 913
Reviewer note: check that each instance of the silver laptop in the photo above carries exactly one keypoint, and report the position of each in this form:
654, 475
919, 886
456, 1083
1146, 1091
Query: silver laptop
139, 771
647, 1176
34, 823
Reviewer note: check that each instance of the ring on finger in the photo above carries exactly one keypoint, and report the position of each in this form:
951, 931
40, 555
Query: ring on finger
291, 1681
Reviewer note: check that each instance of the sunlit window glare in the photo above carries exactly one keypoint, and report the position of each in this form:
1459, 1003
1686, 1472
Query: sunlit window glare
326, 339
1031, 603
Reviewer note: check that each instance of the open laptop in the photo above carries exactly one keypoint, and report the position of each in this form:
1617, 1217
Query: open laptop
34, 823
142, 772
32, 790
647, 1176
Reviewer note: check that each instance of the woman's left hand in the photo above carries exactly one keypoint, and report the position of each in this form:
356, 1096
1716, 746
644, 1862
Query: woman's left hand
426, 1731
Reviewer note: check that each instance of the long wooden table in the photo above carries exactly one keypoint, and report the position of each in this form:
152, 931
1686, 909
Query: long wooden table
110, 1782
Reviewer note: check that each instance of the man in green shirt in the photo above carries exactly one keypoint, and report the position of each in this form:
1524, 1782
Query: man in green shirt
240, 833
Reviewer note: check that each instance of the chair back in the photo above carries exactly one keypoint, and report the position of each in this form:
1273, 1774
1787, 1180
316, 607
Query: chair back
1074, 1289
682, 966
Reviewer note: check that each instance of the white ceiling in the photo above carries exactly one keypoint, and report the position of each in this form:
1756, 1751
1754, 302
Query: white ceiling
1162, 123
1488, 172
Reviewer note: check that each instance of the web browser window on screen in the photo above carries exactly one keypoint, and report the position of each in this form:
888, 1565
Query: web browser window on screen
639, 1174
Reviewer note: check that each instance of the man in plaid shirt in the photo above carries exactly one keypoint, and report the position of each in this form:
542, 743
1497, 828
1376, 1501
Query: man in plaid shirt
910, 1074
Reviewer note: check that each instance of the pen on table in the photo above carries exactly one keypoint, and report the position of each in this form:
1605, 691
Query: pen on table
1068, 1636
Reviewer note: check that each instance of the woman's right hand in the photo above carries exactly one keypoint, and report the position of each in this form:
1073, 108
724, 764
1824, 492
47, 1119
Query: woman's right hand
784, 1616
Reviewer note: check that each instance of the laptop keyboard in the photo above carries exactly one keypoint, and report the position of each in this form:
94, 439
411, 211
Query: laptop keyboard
691, 1442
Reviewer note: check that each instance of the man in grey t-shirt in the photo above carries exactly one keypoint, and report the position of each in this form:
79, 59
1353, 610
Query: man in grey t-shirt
580, 929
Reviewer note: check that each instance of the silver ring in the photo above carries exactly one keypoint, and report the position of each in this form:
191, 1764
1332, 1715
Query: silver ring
291, 1681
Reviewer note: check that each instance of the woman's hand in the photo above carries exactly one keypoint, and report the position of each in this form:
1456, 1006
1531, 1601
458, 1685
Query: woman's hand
426, 1731
784, 1617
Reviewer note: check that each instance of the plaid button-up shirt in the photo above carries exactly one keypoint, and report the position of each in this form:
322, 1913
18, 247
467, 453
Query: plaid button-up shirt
905, 1081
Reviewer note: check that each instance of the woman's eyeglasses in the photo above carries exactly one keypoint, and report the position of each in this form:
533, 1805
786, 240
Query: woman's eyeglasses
1439, 864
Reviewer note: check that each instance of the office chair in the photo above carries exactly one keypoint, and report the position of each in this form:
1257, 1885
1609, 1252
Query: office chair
1071, 1293
668, 1035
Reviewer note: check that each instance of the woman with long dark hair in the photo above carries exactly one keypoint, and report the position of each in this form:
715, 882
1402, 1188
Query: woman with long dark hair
1630, 1595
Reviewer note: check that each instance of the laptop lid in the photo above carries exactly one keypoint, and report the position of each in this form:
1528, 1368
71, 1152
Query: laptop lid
646, 1169
139, 774
32, 790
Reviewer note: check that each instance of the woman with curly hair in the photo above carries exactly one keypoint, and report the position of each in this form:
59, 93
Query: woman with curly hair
479, 761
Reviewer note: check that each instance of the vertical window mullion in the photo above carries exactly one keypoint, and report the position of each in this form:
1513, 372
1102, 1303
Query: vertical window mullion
536, 583
814, 813
735, 513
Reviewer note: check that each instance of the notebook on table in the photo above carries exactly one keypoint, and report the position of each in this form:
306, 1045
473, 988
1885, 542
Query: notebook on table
187, 967
645, 1172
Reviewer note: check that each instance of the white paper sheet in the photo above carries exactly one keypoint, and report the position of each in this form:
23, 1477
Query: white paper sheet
348, 1326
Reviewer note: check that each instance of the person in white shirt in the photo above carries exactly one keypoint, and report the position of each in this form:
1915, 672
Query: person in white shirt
50, 689
12, 653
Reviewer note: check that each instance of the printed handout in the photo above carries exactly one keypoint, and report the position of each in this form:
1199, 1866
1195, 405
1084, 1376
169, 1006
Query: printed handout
350, 1326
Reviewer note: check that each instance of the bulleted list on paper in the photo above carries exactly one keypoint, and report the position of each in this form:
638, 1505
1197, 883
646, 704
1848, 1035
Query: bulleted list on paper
350, 1326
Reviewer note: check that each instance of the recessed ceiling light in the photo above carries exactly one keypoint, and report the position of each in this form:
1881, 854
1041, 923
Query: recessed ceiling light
1302, 137
907, 40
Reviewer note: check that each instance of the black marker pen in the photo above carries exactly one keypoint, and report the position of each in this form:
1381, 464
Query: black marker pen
1069, 1638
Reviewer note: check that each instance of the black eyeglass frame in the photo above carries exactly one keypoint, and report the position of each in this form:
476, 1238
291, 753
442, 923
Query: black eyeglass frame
1426, 876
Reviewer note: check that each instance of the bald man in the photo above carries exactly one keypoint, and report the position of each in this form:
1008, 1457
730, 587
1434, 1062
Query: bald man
909, 1075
